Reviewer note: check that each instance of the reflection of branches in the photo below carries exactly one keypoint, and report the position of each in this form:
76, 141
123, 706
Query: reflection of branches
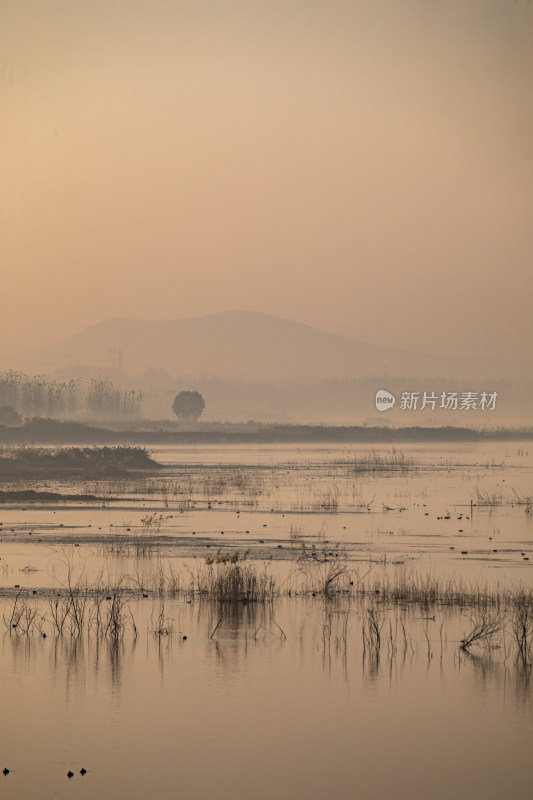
522, 624
164, 625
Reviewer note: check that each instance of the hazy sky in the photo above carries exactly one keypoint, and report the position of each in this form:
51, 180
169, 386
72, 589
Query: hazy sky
364, 166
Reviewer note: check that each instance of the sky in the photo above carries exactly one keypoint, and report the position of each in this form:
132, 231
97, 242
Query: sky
363, 167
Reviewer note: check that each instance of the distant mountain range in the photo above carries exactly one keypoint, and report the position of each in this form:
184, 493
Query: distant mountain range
246, 345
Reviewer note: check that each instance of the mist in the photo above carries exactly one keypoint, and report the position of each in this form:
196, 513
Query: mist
364, 168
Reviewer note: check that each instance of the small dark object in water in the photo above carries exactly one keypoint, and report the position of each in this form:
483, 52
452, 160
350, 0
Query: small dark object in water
83, 771
70, 774
5, 771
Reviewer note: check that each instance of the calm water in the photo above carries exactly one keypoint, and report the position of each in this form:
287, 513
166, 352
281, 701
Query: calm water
283, 700
249, 713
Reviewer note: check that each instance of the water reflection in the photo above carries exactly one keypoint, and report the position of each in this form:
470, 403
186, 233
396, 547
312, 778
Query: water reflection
69, 661
291, 681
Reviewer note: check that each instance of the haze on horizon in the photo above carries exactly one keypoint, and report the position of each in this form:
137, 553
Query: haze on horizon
364, 168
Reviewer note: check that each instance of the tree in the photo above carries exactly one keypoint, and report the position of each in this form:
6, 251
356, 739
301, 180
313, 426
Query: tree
188, 405
9, 416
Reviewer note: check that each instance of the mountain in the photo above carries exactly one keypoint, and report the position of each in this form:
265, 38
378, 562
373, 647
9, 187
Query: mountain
244, 345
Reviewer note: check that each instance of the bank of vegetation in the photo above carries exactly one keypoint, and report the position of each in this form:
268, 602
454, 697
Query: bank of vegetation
52, 431
32, 462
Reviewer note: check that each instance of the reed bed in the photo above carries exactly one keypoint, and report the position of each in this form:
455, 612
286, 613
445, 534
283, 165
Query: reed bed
425, 590
375, 461
102, 609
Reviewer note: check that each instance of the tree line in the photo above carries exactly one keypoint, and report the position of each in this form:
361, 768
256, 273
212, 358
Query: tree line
42, 396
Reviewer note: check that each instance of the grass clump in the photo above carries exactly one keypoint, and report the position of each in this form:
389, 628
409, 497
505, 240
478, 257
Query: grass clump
231, 579
373, 461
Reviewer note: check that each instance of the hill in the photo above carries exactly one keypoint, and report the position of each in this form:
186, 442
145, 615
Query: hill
245, 345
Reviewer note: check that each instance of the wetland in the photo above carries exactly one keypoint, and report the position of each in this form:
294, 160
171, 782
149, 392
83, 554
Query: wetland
260, 619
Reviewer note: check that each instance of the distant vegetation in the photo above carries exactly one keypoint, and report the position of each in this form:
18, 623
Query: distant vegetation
28, 461
49, 431
9, 416
33, 396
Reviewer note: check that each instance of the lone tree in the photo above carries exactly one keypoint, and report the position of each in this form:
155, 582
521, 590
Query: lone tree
188, 405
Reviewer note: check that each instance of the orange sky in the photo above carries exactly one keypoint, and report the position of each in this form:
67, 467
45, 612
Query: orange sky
364, 167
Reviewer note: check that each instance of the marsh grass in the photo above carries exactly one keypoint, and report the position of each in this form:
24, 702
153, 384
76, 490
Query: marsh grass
142, 543
522, 499
325, 572
488, 498
77, 611
374, 461
410, 587
163, 626
100, 607
237, 582
296, 532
